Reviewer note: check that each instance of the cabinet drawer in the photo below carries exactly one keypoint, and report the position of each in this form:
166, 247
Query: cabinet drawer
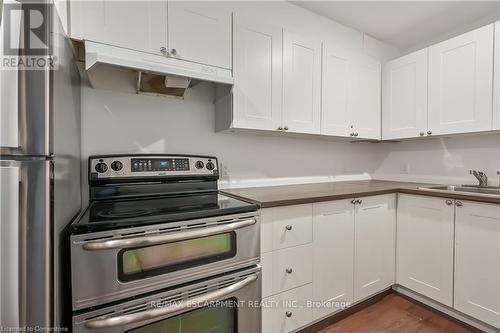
291, 268
284, 227
287, 311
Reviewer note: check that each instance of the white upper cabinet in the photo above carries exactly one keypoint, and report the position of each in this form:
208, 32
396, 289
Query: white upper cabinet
374, 245
477, 261
335, 117
424, 248
301, 84
351, 88
333, 256
257, 71
461, 83
192, 31
404, 97
137, 25
200, 32
496, 83
364, 97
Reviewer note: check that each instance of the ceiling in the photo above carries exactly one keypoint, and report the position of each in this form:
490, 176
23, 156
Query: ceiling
405, 23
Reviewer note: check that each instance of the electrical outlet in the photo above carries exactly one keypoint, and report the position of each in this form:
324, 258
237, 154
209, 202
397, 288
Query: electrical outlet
404, 168
224, 171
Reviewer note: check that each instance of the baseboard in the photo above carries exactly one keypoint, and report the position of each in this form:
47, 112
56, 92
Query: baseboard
445, 310
458, 317
325, 322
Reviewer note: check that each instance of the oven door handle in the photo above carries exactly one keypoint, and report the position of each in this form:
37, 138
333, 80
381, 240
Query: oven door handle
168, 311
166, 238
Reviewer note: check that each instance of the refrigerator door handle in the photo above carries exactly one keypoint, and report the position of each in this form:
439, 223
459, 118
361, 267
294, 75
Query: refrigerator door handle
9, 246
9, 77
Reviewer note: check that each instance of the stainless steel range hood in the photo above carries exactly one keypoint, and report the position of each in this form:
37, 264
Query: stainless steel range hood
115, 68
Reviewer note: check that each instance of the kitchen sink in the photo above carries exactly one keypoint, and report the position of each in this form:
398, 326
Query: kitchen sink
490, 190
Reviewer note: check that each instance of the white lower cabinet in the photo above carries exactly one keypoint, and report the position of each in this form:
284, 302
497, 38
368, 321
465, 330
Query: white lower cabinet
287, 311
286, 259
354, 250
477, 261
333, 256
425, 246
374, 245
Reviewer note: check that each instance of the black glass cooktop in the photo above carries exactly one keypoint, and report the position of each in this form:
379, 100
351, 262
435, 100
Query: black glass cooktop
113, 214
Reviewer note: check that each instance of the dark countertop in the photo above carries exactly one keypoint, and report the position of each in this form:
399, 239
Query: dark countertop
284, 195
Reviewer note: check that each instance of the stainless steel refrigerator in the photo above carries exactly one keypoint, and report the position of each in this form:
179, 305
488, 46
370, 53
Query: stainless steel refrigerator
39, 176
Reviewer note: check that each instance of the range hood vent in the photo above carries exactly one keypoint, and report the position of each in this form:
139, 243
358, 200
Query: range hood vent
115, 68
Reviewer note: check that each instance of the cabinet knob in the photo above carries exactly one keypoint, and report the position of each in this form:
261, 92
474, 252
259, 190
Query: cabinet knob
449, 202
163, 50
458, 203
359, 201
285, 128
280, 128
356, 134
422, 133
429, 132
353, 201
289, 271
288, 227
173, 52
288, 314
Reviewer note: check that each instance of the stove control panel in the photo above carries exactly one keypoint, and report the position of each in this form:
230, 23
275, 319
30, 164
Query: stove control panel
151, 166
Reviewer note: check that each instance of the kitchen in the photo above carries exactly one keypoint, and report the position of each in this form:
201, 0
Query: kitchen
312, 142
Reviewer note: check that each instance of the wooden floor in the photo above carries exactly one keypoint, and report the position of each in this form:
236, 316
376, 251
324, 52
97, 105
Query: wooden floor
396, 314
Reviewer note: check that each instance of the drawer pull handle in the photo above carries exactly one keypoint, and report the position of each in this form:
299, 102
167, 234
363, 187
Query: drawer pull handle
449, 202
288, 227
289, 271
288, 314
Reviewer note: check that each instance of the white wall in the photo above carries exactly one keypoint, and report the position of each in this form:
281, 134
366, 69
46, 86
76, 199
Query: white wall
124, 123
439, 160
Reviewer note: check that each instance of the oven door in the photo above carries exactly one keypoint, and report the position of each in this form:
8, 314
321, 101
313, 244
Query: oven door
112, 265
229, 303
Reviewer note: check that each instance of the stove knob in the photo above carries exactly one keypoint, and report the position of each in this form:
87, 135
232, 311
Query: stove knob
101, 167
116, 165
199, 165
210, 166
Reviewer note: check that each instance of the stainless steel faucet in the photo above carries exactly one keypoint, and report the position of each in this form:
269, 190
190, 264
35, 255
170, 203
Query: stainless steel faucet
481, 176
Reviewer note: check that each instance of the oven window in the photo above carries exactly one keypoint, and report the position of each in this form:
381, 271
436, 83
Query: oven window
143, 262
217, 319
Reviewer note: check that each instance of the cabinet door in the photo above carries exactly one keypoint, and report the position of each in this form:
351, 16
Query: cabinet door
365, 97
404, 97
301, 83
496, 83
477, 261
257, 72
200, 32
137, 25
374, 245
424, 248
461, 83
336, 67
333, 233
